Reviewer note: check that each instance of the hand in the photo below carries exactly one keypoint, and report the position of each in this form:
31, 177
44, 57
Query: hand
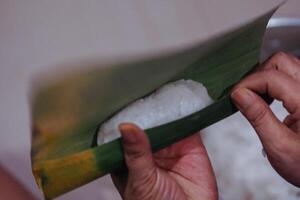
180, 171
11, 189
280, 78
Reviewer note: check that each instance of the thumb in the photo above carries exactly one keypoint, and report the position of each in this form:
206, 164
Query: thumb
138, 154
269, 129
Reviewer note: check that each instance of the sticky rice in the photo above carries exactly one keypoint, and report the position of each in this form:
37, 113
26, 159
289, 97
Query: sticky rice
172, 101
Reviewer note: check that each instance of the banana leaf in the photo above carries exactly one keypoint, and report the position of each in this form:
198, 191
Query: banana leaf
67, 111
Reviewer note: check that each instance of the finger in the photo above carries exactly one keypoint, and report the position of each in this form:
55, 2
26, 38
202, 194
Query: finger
278, 140
270, 130
278, 85
285, 63
137, 152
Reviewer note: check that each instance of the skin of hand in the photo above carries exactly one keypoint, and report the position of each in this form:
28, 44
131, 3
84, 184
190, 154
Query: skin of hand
11, 189
279, 77
180, 171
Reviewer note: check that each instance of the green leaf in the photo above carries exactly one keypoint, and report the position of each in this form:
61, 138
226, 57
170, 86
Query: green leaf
67, 111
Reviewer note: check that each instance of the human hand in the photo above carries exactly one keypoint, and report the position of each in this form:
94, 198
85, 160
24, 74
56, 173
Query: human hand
12, 189
280, 78
180, 171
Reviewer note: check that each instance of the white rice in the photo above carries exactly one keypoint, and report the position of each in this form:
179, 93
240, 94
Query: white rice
170, 102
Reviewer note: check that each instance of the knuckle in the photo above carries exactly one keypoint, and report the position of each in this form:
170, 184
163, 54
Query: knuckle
277, 60
270, 73
280, 56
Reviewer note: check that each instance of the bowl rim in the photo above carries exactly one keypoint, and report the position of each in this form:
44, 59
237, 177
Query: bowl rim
283, 22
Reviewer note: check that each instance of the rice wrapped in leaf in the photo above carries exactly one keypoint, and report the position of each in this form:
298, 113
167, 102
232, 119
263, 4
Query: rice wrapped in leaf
67, 111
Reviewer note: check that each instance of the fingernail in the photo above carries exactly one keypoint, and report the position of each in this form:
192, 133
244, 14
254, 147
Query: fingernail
129, 133
242, 98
